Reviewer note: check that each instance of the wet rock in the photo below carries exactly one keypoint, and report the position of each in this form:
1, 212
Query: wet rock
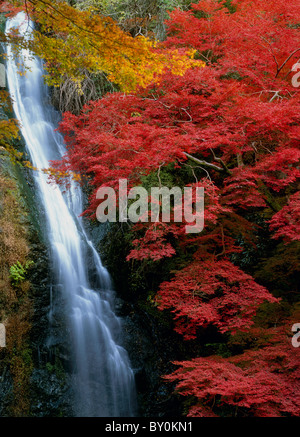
51, 394
6, 387
151, 348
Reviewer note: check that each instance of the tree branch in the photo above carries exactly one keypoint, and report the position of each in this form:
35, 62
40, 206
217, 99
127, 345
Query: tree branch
287, 59
208, 164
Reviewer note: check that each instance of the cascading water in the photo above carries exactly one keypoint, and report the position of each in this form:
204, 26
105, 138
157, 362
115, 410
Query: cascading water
104, 381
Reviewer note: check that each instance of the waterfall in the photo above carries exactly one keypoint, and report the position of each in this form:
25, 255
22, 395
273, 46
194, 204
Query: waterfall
103, 379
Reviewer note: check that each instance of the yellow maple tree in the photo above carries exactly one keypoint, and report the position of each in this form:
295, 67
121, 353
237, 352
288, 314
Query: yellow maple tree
72, 41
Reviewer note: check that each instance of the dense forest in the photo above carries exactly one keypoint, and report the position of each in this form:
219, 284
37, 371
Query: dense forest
170, 93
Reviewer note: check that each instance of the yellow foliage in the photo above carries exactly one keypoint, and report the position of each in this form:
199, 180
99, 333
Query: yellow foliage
71, 41
9, 130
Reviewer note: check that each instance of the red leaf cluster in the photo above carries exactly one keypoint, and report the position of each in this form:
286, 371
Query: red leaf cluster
212, 292
260, 382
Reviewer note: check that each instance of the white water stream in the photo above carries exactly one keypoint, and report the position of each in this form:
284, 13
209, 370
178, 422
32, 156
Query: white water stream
104, 381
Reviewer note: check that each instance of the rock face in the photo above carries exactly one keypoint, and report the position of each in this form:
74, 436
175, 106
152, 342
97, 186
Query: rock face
50, 389
6, 387
151, 346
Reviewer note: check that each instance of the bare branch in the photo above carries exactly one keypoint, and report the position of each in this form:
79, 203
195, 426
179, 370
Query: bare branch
207, 164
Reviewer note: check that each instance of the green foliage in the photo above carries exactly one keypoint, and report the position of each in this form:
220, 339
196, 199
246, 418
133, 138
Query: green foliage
220, 349
280, 271
273, 314
139, 17
56, 368
49, 367
2, 23
18, 272
229, 6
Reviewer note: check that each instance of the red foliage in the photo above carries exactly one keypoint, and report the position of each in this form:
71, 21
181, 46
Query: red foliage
240, 113
235, 120
212, 292
286, 222
153, 245
260, 382
9, 9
